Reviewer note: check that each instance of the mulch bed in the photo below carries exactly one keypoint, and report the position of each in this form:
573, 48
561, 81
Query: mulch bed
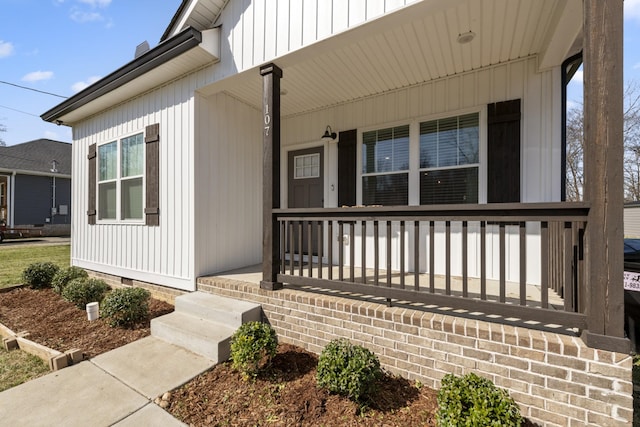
60, 325
287, 396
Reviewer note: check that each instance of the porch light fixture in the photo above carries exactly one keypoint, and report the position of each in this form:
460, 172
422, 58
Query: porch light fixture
465, 38
329, 134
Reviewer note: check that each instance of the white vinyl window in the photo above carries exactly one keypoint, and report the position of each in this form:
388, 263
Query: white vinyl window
449, 160
121, 179
385, 166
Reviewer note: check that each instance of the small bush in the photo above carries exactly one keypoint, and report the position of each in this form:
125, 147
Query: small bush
83, 291
347, 369
125, 307
39, 275
66, 275
253, 346
475, 401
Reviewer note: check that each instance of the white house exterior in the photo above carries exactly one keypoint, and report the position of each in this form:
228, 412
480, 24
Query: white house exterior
353, 65
444, 124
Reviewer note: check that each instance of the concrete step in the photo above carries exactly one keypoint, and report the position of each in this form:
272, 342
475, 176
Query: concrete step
218, 309
204, 337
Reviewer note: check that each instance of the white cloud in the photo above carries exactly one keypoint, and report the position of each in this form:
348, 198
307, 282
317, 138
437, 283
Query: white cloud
96, 3
82, 17
37, 76
632, 9
6, 49
636, 66
78, 86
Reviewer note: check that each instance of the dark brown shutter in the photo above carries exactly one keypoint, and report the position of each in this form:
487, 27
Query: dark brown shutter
152, 154
503, 152
91, 211
347, 168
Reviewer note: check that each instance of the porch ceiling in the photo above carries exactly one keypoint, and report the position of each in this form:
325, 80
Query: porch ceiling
416, 44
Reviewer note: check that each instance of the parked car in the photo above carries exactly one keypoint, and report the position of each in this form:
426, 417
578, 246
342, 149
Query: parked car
631, 250
631, 293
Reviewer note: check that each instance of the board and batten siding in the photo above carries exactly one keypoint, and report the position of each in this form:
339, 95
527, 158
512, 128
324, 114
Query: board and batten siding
228, 183
540, 145
257, 31
162, 254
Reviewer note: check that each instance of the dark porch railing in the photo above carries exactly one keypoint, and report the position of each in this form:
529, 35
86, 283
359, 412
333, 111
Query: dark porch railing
311, 256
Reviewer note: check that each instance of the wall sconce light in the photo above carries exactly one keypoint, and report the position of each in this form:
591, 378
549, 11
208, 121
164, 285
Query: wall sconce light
329, 133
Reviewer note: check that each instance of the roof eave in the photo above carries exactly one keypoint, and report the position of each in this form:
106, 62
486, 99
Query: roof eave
164, 52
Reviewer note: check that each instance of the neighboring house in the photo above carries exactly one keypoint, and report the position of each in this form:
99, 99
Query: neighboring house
632, 219
35, 186
439, 175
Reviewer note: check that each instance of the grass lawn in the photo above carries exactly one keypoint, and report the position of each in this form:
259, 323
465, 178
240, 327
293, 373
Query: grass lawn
17, 367
13, 260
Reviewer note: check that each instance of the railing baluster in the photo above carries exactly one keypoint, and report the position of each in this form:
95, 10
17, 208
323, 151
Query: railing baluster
567, 260
310, 248
320, 235
402, 254
432, 259
300, 248
388, 254
483, 260
376, 253
523, 263
330, 249
352, 251
465, 260
363, 241
544, 285
291, 248
503, 269
283, 243
340, 251
416, 255
447, 252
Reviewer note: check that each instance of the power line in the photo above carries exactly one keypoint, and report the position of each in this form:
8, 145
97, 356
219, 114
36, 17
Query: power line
19, 111
35, 90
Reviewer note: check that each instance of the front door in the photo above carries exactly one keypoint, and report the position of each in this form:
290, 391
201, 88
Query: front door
306, 187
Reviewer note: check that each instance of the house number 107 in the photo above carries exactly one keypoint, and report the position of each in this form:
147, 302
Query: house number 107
267, 120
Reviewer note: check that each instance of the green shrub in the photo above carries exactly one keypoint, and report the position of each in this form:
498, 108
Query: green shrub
347, 369
125, 307
66, 275
253, 346
39, 275
82, 291
475, 401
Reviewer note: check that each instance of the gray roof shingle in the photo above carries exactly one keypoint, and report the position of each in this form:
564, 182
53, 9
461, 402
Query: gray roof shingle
36, 156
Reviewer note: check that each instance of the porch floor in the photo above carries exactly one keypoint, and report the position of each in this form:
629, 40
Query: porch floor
253, 274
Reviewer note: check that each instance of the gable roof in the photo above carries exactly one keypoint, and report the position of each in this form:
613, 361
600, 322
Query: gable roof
36, 156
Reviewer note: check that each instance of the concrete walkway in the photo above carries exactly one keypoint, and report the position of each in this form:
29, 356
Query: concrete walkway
116, 388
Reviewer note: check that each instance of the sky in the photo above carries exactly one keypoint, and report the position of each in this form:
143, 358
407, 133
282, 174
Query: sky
61, 46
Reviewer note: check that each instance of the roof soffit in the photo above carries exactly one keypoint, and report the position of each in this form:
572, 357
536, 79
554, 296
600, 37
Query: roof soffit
413, 45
